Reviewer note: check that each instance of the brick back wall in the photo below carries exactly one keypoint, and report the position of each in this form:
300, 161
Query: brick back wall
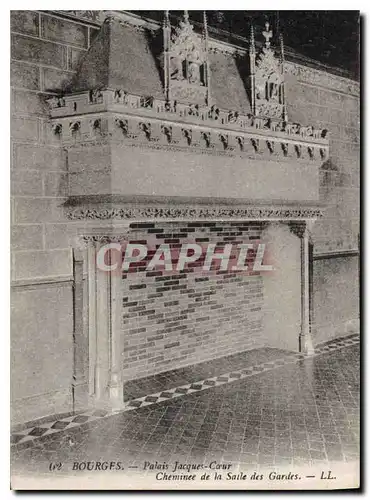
182, 318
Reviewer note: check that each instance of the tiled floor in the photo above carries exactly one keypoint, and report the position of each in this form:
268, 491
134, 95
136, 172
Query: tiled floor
302, 413
134, 389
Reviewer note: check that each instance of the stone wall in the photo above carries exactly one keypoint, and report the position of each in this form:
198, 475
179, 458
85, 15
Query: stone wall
44, 54
336, 277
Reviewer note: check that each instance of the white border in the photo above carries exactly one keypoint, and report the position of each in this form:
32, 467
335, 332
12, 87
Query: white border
4, 182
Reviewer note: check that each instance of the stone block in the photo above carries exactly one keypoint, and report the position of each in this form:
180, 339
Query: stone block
90, 183
61, 30
337, 116
41, 341
27, 237
88, 159
74, 59
38, 51
60, 235
55, 184
29, 103
307, 94
29, 210
55, 80
39, 157
332, 99
41, 264
26, 183
24, 75
24, 21
25, 129
353, 119
351, 134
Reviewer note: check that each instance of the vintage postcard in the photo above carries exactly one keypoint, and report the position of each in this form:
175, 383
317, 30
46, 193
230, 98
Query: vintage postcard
185, 250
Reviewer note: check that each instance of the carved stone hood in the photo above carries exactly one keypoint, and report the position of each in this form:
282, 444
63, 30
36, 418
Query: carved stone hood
126, 140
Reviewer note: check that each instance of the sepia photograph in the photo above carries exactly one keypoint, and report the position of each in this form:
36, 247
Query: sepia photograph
185, 250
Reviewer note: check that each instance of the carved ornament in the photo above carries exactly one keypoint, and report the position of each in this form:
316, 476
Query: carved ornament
201, 213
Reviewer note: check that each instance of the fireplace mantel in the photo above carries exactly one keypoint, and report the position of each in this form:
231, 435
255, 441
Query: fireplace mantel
120, 208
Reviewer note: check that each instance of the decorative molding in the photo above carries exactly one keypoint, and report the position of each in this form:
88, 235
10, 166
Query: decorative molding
150, 132
336, 254
169, 110
194, 213
102, 238
35, 283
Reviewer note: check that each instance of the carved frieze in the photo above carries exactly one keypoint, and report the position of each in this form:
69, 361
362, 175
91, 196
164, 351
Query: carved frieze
149, 132
103, 238
255, 130
197, 213
143, 133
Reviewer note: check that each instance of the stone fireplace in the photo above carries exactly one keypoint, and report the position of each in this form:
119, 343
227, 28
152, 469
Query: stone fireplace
171, 166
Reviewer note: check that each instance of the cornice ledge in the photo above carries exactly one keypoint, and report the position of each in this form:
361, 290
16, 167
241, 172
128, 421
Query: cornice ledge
109, 210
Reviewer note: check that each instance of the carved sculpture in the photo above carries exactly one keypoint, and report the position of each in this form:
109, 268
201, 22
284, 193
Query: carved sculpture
75, 126
167, 131
186, 69
267, 79
207, 138
95, 96
57, 102
146, 128
224, 138
194, 72
58, 129
292, 128
240, 141
188, 135
305, 131
320, 133
259, 122
122, 125
120, 96
274, 125
176, 68
255, 144
95, 125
